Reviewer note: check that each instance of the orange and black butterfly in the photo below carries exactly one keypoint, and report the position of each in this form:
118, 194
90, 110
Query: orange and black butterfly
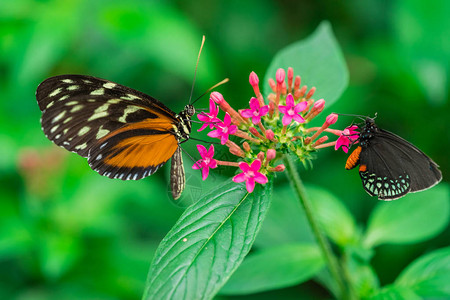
123, 133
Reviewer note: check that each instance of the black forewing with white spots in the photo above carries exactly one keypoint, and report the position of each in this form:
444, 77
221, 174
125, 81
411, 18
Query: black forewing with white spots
78, 110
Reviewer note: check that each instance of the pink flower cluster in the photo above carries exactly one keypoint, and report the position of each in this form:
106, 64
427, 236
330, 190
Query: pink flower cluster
268, 131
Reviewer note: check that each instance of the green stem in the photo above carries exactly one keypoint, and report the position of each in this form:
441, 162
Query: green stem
321, 240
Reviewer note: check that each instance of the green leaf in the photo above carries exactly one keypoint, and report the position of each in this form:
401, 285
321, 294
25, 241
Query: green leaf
319, 62
274, 268
424, 55
363, 278
395, 293
207, 243
333, 216
429, 275
403, 220
286, 222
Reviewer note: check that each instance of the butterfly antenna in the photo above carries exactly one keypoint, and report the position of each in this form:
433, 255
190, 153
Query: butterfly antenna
203, 141
196, 67
352, 115
213, 87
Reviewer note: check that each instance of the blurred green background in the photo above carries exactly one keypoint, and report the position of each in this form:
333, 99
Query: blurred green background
68, 233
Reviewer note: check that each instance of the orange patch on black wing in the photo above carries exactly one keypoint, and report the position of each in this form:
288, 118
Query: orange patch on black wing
142, 151
136, 150
353, 159
161, 123
362, 168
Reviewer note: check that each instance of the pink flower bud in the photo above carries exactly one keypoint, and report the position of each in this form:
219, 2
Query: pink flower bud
280, 75
260, 156
246, 146
319, 104
271, 154
273, 85
283, 88
270, 135
331, 119
303, 90
279, 168
217, 97
320, 141
290, 78
236, 150
290, 74
253, 131
311, 92
253, 79
297, 82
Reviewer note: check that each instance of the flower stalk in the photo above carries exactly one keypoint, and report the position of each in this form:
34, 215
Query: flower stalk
330, 258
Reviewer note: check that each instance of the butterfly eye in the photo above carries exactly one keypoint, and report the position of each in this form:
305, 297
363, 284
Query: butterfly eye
190, 110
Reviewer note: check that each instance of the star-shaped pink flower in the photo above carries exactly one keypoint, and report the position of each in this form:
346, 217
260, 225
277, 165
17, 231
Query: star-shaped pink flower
256, 111
207, 160
292, 111
209, 118
250, 175
348, 135
223, 129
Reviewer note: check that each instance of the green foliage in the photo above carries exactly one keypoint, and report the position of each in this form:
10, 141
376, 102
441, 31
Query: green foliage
208, 242
403, 221
333, 217
319, 62
429, 275
275, 267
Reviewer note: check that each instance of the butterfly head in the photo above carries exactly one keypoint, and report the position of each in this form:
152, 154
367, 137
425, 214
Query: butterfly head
189, 110
368, 130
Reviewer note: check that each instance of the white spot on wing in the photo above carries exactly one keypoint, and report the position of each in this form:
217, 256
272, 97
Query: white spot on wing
81, 147
67, 81
70, 103
84, 130
54, 128
67, 120
100, 112
50, 104
109, 85
129, 110
73, 87
130, 97
59, 116
55, 92
101, 132
76, 108
98, 92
